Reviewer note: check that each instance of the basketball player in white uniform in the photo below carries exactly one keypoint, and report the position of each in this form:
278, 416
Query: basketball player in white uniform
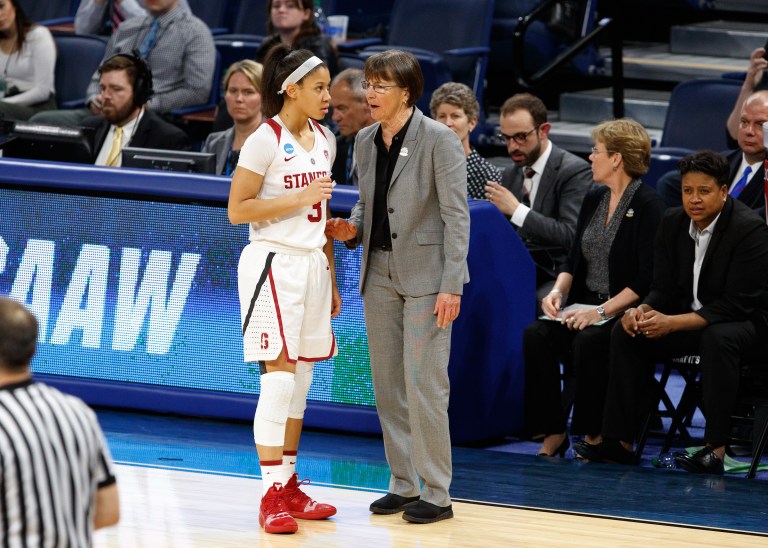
286, 276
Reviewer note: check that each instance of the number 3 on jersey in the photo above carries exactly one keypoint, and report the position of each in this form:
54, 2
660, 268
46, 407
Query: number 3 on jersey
317, 216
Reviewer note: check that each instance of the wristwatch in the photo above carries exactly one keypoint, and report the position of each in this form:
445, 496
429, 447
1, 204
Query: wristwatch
601, 311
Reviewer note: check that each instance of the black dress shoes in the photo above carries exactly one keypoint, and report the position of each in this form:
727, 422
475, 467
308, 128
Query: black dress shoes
425, 512
606, 451
703, 461
391, 504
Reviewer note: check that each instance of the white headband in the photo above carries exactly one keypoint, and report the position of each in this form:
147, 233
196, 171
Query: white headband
300, 72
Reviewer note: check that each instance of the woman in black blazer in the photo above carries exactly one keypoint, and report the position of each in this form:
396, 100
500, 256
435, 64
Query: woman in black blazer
608, 270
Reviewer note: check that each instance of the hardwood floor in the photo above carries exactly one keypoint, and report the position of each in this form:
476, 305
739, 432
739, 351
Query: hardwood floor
174, 508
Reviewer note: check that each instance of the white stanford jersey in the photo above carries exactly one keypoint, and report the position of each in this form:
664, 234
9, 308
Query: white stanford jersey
272, 151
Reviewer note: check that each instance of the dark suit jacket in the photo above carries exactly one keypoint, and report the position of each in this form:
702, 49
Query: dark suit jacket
733, 285
551, 223
753, 194
152, 132
630, 260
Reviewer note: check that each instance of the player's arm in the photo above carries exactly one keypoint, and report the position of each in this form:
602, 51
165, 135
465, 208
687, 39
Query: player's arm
246, 207
106, 509
328, 249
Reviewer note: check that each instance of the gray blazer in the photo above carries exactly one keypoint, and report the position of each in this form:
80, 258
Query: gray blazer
220, 143
552, 220
427, 201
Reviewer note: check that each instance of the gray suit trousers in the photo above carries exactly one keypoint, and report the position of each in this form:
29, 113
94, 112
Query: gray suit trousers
409, 366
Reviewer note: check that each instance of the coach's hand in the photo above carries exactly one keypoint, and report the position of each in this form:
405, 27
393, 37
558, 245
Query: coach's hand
447, 308
340, 229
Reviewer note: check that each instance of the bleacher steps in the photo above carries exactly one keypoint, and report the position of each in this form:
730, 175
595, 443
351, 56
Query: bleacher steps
749, 6
593, 106
737, 39
577, 136
655, 62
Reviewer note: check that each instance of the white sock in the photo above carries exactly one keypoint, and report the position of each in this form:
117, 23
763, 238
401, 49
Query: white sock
289, 461
271, 474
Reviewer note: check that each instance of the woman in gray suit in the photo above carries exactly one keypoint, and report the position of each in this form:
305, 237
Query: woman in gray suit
413, 221
242, 95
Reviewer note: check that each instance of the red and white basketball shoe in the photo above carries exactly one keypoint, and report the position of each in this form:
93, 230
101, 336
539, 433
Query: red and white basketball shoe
300, 505
273, 513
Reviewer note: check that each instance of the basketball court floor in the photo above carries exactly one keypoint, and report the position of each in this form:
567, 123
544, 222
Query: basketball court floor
188, 482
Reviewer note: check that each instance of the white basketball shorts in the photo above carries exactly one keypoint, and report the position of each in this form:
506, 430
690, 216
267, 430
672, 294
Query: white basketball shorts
285, 302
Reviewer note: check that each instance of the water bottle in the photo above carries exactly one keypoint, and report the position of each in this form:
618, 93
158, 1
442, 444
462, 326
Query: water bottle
320, 19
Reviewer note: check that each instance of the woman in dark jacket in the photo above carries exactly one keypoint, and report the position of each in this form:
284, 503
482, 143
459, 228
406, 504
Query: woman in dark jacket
608, 270
292, 22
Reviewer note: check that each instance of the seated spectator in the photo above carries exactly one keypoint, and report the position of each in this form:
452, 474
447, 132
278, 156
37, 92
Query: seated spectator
292, 22
58, 479
28, 55
747, 166
709, 298
543, 191
126, 87
104, 16
179, 49
455, 105
609, 268
351, 113
755, 80
242, 95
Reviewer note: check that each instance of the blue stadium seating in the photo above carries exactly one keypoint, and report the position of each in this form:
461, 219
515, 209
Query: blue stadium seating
77, 59
696, 117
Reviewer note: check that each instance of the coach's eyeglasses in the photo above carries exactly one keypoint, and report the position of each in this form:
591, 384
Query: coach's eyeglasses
378, 88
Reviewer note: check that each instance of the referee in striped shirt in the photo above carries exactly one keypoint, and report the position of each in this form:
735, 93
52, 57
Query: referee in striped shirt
57, 481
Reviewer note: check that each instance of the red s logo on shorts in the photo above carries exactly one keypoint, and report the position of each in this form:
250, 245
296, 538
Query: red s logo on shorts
264, 341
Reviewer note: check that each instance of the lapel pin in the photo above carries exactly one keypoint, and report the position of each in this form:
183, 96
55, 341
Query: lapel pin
404, 151
630, 213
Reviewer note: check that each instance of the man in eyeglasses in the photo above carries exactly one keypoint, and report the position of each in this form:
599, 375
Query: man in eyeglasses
747, 171
543, 191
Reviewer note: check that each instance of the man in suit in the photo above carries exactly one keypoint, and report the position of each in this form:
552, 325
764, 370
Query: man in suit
709, 298
126, 86
351, 114
177, 45
104, 16
756, 79
543, 191
747, 166
412, 218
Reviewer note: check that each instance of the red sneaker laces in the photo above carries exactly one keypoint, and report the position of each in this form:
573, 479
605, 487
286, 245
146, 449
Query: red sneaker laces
295, 492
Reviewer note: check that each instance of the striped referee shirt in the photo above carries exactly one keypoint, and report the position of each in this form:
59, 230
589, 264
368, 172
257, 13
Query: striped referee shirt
182, 60
53, 458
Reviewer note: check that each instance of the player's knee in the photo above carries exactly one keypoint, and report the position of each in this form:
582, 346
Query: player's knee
273, 408
303, 379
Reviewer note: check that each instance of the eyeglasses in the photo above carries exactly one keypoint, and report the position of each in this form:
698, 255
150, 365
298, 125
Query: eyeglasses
596, 151
287, 5
744, 124
378, 88
519, 138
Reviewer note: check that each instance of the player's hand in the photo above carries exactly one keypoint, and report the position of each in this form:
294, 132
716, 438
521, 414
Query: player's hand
318, 190
340, 229
501, 197
447, 308
335, 302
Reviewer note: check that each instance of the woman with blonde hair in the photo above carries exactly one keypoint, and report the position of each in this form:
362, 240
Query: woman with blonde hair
242, 95
608, 270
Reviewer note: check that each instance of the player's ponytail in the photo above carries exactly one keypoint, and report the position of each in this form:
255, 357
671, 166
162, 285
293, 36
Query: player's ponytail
280, 62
